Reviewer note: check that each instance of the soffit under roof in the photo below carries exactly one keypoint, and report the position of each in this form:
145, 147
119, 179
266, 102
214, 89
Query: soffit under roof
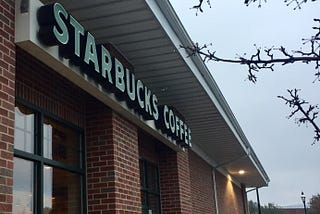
133, 29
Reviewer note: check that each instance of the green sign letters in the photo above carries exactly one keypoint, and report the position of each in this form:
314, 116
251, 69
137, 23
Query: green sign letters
57, 27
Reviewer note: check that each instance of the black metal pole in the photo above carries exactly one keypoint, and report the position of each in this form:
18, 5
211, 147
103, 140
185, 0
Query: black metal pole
258, 200
305, 208
303, 198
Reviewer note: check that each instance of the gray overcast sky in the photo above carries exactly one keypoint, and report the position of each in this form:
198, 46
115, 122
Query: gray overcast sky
283, 148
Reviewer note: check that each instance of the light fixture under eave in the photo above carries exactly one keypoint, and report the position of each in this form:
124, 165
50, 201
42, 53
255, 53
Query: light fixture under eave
241, 172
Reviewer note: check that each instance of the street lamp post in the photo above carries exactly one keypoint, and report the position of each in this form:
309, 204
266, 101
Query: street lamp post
303, 198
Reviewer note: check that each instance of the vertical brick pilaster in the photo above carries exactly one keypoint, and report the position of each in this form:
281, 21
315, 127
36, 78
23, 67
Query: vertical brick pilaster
175, 182
112, 162
126, 156
7, 91
100, 176
202, 186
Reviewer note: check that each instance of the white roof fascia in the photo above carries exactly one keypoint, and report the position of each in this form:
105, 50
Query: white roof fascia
170, 22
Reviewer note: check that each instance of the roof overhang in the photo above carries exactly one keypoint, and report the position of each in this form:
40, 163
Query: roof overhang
149, 34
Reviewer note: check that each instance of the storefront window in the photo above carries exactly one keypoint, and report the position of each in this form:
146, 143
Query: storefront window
150, 191
61, 191
61, 143
24, 130
23, 187
48, 171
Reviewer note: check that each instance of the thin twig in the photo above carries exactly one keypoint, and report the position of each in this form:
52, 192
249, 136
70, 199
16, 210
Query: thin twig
309, 114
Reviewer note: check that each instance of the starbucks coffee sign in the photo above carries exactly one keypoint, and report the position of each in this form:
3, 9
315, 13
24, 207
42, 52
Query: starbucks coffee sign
58, 27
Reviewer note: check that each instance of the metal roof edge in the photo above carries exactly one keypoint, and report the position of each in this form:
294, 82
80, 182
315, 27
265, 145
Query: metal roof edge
219, 101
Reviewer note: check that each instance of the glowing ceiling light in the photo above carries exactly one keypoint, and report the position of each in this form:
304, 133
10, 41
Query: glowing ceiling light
241, 172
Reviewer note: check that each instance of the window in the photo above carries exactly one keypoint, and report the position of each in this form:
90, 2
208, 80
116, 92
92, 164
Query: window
150, 190
49, 172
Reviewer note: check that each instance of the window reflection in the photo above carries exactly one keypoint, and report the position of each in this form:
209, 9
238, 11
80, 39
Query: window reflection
62, 193
150, 192
61, 143
24, 129
62, 188
47, 141
22, 187
47, 189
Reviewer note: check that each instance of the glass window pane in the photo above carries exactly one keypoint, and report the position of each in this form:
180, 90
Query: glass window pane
22, 187
24, 129
152, 178
62, 192
144, 199
47, 189
61, 143
142, 174
150, 191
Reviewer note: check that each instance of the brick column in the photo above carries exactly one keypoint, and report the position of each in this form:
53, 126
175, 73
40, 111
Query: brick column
7, 91
175, 182
202, 186
112, 162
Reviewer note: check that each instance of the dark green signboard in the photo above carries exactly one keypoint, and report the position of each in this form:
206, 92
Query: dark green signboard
58, 27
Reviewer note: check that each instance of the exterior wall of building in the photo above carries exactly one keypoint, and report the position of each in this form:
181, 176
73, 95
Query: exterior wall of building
113, 162
202, 186
230, 196
175, 184
149, 148
113, 152
7, 88
173, 172
113, 144
37, 84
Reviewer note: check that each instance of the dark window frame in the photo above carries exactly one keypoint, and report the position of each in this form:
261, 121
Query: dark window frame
39, 161
145, 164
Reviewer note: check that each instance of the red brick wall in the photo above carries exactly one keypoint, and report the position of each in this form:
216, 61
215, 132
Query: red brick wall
202, 187
112, 151
112, 145
230, 196
149, 148
39, 85
125, 140
175, 182
174, 174
112, 162
7, 85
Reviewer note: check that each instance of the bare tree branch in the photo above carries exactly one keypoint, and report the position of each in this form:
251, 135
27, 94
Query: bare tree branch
248, 2
255, 63
298, 3
308, 115
265, 59
198, 7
